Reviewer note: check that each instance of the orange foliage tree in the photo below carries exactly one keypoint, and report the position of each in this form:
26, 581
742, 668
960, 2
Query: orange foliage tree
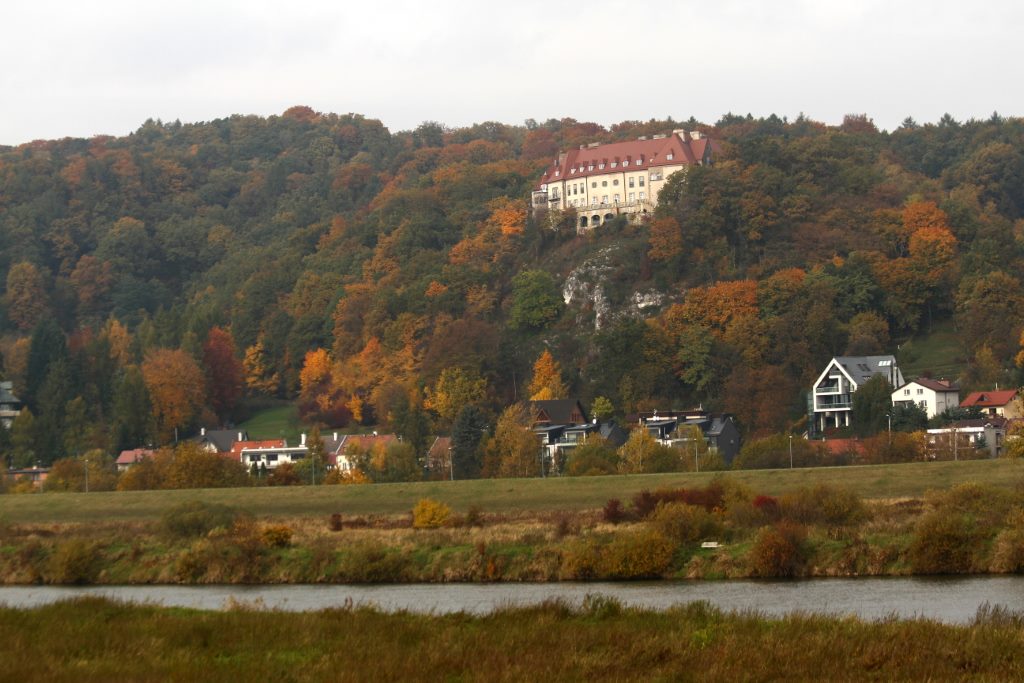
224, 372
547, 383
176, 389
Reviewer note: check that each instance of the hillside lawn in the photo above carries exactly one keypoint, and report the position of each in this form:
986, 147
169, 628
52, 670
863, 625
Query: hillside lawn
278, 422
499, 495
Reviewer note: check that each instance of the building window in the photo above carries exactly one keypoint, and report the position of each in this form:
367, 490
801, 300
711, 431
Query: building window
616, 199
614, 164
906, 392
641, 196
594, 201
639, 161
669, 156
557, 173
632, 196
604, 199
641, 181
920, 391
604, 183
600, 166
631, 181
593, 184
656, 175
615, 182
590, 167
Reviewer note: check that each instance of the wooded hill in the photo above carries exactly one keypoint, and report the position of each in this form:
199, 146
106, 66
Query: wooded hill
392, 278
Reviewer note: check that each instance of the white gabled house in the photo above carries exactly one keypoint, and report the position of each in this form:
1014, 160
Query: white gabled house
934, 396
830, 403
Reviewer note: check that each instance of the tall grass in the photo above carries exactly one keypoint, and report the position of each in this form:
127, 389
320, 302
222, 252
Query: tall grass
97, 640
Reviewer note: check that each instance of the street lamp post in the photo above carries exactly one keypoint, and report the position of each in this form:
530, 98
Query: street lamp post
790, 451
87, 474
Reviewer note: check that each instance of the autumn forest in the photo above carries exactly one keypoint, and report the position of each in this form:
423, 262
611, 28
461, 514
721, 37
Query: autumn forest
186, 274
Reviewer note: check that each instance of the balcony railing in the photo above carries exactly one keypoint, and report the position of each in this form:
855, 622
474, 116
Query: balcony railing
834, 402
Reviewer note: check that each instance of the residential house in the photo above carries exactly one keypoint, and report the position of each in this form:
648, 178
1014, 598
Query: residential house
1006, 403
36, 475
219, 440
255, 451
439, 457
934, 396
720, 433
338, 447
830, 402
567, 411
601, 182
10, 405
963, 438
128, 458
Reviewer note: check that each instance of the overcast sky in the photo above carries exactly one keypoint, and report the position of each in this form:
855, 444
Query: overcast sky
74, 68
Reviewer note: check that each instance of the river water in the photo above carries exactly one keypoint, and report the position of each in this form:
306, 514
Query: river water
952, 600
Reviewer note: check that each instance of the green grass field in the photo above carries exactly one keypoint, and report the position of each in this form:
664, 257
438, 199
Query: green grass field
275, 423
499, 495
939, 353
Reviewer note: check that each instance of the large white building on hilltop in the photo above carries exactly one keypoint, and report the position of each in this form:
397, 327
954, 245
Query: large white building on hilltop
622, 178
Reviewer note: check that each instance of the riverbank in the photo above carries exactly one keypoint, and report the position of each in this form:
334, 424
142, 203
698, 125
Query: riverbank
724, 530
98, 640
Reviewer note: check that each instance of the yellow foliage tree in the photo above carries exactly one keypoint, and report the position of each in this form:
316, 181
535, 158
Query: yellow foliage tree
547, 383
257, 379
316, 371
454, 389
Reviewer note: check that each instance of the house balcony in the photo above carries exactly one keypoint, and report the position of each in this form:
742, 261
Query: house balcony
832, 402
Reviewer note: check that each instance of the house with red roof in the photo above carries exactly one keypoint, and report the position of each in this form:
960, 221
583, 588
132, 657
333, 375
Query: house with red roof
1006, 403
601, 182
130, 457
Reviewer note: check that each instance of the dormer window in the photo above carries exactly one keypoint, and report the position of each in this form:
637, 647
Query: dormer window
590, 167
669, 156
557, 173
600, 166
572, 170
614, 164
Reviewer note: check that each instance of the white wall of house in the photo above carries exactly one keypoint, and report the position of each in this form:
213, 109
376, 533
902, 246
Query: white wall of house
934, 402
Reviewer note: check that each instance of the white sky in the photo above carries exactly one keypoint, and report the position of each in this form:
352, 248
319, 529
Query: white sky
76, 68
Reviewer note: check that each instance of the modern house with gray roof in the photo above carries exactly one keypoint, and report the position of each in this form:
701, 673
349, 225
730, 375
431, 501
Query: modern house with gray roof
830, 403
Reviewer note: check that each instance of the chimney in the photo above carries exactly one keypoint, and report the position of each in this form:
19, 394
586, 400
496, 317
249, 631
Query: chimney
239, 436
303, 443
642, 137
335, 436
695, 134
202, 431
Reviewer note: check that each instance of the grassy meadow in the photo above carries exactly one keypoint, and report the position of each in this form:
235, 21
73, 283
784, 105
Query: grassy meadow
98, 640
500, 495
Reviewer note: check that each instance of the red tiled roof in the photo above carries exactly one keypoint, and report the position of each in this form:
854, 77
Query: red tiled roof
989, 399
368, 441
133, 456
653, 153
236, 448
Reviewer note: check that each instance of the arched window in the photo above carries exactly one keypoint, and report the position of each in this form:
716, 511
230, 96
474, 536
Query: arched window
583, 221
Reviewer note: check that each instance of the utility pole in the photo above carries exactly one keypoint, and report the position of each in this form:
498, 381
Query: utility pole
790, 451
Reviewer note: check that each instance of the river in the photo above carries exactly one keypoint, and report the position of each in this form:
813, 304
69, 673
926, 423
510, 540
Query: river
952, 600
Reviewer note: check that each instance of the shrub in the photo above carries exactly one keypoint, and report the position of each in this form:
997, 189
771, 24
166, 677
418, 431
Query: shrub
711, 497
613, 512
335, 522
276, 536
823, 504
430, 514
73, 561
1008, 553
195, 518
643, 555
475, 516
779, 551
944, 543
683, 523
581, 560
